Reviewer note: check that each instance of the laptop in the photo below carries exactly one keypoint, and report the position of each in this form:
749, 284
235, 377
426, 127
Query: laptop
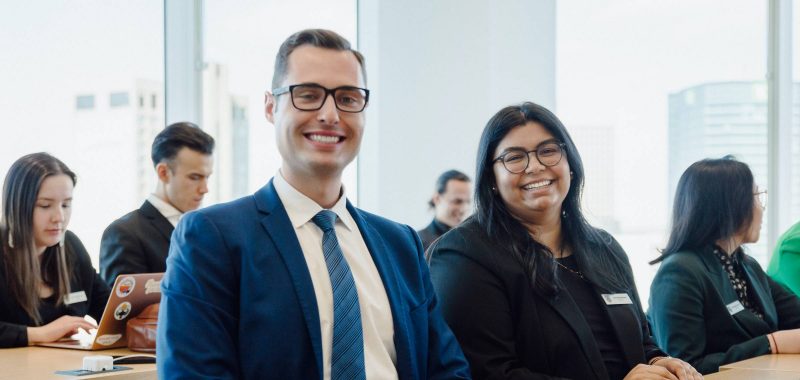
130, 294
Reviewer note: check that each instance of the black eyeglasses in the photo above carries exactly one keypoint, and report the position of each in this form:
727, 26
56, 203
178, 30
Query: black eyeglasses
516, 160
311, 97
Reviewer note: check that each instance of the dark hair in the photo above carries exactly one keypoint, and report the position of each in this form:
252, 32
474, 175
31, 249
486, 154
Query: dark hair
23, 268
444, 178
320, 38
714, 200
512, 237
176, 136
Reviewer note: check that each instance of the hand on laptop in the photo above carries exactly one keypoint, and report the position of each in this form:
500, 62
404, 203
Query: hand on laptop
61, 327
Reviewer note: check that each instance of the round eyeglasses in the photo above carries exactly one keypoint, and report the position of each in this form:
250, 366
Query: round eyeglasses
311, 97
516, 160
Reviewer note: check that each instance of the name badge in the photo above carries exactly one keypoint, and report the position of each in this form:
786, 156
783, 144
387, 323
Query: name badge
734, 307
75, 297
617, 299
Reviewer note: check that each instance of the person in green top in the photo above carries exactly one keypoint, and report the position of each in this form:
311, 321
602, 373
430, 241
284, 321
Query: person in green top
784, 267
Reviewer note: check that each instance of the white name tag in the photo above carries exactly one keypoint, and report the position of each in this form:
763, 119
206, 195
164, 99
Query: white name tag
617, 299
75, 297
734, 307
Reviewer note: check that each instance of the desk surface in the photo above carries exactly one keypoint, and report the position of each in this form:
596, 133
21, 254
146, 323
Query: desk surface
42, 362
750, 374
782, 362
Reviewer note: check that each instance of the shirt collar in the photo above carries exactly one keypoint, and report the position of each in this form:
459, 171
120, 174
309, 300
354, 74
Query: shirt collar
301, 209
166, 209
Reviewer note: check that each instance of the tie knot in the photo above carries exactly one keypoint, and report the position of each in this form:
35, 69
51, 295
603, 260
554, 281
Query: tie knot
325, 220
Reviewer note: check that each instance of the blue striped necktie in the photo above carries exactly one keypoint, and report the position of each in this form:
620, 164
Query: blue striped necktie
347, 352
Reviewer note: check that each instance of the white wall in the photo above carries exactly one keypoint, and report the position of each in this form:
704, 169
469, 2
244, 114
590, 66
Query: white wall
438, 70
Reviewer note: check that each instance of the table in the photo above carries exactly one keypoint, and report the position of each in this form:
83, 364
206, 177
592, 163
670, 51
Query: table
42, 362
751, 374
780, 362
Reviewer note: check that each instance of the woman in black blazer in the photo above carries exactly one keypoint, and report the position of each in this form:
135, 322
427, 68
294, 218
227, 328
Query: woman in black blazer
529, 288
47, 282
710, 303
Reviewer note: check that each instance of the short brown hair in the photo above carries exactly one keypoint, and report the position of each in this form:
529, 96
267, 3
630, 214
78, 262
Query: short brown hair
321, 38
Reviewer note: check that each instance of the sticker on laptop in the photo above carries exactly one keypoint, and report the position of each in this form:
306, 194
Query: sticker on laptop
125, 286
108, 339
152, 286
122, 311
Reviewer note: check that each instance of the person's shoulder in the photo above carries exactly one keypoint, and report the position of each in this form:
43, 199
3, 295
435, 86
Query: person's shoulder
126, 221
380, 222
468, 238
685, 262
235, 209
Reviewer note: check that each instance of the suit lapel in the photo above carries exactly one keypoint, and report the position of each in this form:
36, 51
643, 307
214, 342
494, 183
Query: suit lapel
566, 307
279, 228
627, 328
748, 321
161, 224
382, 257
761, 294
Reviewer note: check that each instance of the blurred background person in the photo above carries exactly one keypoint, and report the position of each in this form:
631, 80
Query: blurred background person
710, 302
450, 203
784, 265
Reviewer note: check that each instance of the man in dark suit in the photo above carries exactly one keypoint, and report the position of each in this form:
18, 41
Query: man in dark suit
139, 241
293, 282
450, 202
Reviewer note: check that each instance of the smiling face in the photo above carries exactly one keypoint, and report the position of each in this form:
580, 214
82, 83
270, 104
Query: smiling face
452, 206
539, 191
52, 211
321, 143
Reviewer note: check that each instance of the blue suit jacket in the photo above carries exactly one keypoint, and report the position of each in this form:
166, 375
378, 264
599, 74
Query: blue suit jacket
238, 301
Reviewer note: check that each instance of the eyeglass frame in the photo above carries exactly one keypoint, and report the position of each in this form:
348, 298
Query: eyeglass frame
761, 194
328, 91
561, 146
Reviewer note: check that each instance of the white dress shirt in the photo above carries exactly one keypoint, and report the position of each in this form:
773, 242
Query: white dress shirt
376, 313
172, 214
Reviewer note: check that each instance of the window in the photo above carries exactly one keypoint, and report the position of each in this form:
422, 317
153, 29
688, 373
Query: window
238, 71
84, 102
118, 99
68, 57
647, 88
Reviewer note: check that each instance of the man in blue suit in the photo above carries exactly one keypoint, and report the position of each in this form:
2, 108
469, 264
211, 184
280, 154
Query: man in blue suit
294, 282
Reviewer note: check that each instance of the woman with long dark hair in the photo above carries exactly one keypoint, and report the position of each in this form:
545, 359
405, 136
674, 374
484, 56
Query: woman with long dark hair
710, 303
529, 288
47, 282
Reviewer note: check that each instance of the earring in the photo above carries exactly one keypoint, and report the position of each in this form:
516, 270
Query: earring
571, 173
563, 213
10, 239
494, 189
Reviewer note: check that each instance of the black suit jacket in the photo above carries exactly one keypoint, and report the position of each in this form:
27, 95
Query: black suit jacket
508, 331
432, 232
688, 312
14, 321
136, 243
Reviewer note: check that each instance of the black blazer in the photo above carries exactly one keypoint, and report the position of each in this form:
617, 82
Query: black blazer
432, 232
135, 243
688, 312
509, 332
14, 321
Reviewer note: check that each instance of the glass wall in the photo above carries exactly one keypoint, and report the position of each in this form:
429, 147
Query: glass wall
83, 80
241, 40
649, 87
